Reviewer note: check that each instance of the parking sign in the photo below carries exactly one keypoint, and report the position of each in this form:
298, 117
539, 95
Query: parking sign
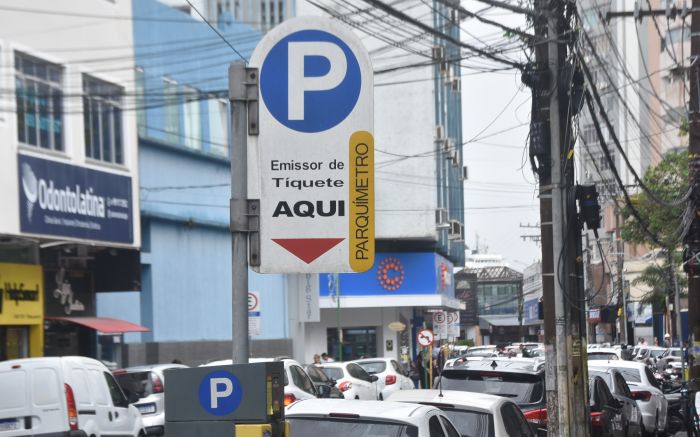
312, 164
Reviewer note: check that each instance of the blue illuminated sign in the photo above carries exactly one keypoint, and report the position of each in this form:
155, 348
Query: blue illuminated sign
71, 201
396, 274
310, 81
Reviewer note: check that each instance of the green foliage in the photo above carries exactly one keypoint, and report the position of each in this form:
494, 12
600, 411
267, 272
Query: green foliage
468, 342
668, 180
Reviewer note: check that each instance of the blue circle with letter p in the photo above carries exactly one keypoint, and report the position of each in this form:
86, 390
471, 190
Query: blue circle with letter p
310, 81
220, 393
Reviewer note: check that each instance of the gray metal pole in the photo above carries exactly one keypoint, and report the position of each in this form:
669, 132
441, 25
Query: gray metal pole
239, 213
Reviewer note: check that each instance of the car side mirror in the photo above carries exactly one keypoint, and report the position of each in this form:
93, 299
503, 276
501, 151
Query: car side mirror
324, 391
373, 378
333, 382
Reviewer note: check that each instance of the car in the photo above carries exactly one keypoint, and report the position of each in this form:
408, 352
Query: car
473, 414
146, 383
64, 396
520, 379
605, 354
297, 384
631, 414
606, 411
649, 354
672, 354
325, 386
646, 390
353, 381
476, 353
392, 377
323, 417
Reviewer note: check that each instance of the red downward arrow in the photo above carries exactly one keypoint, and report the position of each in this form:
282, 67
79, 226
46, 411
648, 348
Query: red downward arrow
308, 249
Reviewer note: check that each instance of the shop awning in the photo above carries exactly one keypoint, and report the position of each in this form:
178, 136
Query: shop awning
104, 325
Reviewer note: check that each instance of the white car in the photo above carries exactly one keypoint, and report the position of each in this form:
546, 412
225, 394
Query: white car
297, 384
352, 380
605, 354
473, 414
63, 396
475, 353
392, 377
337, 417
146, 383
645, 390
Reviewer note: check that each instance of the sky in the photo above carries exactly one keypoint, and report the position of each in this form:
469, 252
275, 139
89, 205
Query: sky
499, 170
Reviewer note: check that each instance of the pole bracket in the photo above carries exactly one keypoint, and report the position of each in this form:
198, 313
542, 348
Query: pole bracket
245, 217
243, 87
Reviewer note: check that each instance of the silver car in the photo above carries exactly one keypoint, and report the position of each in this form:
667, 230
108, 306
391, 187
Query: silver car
645, 390
144, 385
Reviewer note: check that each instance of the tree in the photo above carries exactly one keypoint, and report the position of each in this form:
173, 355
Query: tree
661, 224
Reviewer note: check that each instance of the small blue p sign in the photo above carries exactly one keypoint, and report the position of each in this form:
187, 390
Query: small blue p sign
220, 393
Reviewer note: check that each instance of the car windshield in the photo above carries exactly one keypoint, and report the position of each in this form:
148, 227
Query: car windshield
657, 353
317, 375
136, 383
631, 375
602, 356
480, 353
471, 423
523, 389
305, 427
676, 353
333, 372
373, 367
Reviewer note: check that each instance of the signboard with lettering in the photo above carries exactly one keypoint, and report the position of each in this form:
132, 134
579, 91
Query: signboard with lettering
309, 309
21, 294
69, 201
440, 324
254, 313
314, 155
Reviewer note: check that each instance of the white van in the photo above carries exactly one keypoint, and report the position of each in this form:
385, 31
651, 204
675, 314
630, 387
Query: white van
63, 397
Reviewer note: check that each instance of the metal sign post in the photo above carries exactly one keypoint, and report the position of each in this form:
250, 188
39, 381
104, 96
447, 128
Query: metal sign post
243, 94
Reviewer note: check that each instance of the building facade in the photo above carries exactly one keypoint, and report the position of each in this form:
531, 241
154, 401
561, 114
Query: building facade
70, 179
181, 76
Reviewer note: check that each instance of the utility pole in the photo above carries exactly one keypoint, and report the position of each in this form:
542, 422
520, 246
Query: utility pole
620, 249
693, 237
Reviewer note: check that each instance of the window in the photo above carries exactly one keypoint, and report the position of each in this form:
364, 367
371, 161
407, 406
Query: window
515, 423
172, 116
140, 87
451, 431
272, 12
39, 98
218, 126
118, 398
263, 14
623, 388
435, 427
193, 119
102, 115
281, 11
301, 380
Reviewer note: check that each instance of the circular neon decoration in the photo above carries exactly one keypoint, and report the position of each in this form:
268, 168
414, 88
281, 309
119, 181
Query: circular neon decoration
390, 274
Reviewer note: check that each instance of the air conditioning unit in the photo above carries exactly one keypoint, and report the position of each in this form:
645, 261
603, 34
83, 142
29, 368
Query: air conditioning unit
456, 84
439, 132
449, 145
456, 231
455, 158
438, 52
441, 220
465, 173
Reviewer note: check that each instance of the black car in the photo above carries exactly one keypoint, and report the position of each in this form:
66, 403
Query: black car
606, 411
325, 386
631, 415
520, 380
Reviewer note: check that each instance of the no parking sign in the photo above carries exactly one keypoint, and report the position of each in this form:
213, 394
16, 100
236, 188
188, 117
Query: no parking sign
312, 163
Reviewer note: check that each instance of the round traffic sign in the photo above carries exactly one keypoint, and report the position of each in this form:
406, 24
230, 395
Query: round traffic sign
425, 337
253, 302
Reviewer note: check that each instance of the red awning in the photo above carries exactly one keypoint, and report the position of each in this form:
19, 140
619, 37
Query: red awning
105, 325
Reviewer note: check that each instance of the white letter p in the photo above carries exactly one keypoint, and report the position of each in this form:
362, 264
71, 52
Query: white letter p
298, 83
216, 394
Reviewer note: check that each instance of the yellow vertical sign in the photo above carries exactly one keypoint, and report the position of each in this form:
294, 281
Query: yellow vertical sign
361, 186
22, 301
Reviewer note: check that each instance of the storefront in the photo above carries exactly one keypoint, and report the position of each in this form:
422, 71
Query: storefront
380, 311
21, 311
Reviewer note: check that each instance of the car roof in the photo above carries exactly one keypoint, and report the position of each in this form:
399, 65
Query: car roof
512, 365
372, 360
398, 411
229, 362
602, 350
150, 367
459, 399
620, 364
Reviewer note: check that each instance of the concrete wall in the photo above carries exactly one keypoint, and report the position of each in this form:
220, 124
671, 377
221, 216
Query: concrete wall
194, 353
